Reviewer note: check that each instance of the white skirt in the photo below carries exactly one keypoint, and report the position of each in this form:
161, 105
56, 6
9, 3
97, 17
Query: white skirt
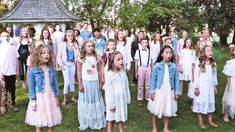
164, 104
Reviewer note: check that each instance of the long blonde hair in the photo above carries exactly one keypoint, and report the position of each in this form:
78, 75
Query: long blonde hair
202, 60
83, 50
74, 41
36, 62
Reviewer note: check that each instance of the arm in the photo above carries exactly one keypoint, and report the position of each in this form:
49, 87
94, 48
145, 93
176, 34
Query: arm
153, 80
228, 82
79, 77
109, 93
100, 74
193, 70
177, 82
56, 90
32, 86
127, 90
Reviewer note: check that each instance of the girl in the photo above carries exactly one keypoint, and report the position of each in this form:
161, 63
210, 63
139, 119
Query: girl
200, 45
155, 45
181, 42
205, 81
187, 64
67, 59
47, 40
125, 51
58, 37
164, 88
117, 93
206, 37
90, 102
43, 109
23, 42
78, 37
229, 93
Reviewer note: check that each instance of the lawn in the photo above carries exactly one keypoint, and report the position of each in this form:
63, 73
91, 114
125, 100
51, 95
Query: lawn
139, 118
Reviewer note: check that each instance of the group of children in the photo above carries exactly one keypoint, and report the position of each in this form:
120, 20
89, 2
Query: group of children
161, 67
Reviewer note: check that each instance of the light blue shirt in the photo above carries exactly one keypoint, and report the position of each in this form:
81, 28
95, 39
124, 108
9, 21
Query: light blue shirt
100, 47
86, 35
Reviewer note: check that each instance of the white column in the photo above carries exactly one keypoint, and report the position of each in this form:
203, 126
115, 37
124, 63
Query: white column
13, 29
38, 27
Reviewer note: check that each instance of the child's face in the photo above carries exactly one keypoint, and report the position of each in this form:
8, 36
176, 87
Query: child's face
184, 34
206, 34
120, 35
201, 45
169, 42
158, 36
208, 52
188, 43
45, 55
144, 43
24, 32
5, 37
89, 48
57, 27
111, 46
167, 54
69, 37
45, 34
118, 61
97, 34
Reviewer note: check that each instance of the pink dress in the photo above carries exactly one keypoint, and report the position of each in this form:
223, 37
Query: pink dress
47, 113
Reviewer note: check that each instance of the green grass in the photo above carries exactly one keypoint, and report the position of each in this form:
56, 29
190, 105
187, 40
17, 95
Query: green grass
139, 118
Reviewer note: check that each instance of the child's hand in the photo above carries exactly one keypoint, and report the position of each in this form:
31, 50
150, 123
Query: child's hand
81, 88
57, 101
152, 96
176, 97
136, 75
34, 108
215, 89
197, 92
101, 86
113, 110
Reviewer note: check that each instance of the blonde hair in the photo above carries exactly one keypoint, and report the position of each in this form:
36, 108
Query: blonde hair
74, 41
198, 50
83, 50
21, 35
202, 60
36, 62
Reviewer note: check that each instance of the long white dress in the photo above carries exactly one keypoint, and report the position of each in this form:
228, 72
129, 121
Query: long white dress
163, 104
229, 94
204, 103
117, 95
187, 59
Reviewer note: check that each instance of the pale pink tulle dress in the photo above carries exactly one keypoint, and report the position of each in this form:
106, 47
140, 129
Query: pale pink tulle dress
47, 114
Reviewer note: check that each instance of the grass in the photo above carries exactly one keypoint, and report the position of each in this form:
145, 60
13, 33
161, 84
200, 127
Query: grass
139, 118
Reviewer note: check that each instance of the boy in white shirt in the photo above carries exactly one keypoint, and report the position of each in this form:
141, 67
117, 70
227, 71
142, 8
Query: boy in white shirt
143, 66
8, 66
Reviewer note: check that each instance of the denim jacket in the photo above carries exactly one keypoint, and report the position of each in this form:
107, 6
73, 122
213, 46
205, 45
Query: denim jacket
37, 82
157, 77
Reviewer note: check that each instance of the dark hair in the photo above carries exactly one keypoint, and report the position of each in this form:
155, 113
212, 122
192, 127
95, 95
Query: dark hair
144, 39
160, 58
129, 32
111, 60
96, 30
11, 33
74, 30
184, 46
141, 31
116, 37
49, 36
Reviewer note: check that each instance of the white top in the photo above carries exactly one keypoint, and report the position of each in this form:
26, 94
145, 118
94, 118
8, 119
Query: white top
125, 53
144, 54
155, 48
89, 68
58, 39
180, 45
229, 68
8, 57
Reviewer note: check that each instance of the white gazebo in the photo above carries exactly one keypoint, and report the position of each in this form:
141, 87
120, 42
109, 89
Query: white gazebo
39, 12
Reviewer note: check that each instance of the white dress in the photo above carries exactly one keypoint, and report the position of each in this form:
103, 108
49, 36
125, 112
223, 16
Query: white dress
155, 48
187, 59
228, 98
121, 47
205, 102
117, 95
163, 104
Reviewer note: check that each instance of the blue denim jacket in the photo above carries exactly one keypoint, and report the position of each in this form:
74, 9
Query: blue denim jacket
157, 77
37, 82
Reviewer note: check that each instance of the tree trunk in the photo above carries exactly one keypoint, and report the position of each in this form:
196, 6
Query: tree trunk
233, 37
223, 38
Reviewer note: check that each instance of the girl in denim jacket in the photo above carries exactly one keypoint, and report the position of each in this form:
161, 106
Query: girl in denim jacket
43, 109
164, 88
